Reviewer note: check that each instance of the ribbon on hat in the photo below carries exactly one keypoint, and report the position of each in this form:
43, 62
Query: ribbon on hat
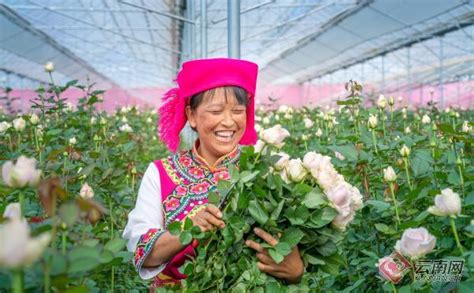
172, 118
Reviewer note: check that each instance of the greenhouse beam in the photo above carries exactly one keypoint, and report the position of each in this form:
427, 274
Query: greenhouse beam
203, 29
233, 28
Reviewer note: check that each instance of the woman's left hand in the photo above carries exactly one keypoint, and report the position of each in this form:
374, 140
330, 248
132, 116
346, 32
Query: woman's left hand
290, 269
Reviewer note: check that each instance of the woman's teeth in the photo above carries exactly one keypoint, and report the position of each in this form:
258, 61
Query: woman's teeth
225, 136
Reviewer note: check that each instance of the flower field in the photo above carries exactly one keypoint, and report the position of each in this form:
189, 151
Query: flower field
366, 193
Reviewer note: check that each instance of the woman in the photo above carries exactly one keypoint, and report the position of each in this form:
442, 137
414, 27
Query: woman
216, 98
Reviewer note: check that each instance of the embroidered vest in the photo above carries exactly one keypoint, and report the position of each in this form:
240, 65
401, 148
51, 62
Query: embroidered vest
186, 179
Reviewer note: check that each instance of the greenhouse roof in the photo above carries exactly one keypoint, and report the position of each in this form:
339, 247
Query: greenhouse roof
139, 43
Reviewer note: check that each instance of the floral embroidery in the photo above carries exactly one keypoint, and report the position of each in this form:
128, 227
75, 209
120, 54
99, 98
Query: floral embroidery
222, 175
197, 173
181, 190
171, 204
200, 188
186, 161
145, 245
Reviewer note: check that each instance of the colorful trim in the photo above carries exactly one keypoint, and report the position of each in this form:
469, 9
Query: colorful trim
169, 170
145, 246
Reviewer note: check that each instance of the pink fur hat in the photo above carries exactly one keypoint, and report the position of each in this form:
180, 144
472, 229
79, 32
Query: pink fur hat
201, 75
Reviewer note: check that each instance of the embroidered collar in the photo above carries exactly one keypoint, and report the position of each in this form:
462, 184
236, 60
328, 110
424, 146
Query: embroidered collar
223, 161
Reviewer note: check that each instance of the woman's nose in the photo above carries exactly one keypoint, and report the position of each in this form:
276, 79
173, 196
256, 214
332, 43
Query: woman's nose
228, 120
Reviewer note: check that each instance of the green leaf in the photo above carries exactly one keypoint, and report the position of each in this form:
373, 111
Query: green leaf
322, 217
292, 236
380, 206
174, 228
313, 199
313, 260
69, 213
283, 248
277, 211
185, 238
275, 255
348, 151
213, 198
257, 212
247, 176
382, 228
188, 224
115, 245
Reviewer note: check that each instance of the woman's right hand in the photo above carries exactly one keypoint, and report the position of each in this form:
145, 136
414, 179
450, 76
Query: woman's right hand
208, 218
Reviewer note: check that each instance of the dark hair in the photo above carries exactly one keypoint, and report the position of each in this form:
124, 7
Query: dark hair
239, 93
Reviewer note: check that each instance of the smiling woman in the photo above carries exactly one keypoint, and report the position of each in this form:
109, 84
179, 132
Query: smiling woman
216, 98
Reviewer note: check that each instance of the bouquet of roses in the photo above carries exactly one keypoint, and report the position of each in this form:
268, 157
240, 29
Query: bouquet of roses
303, 202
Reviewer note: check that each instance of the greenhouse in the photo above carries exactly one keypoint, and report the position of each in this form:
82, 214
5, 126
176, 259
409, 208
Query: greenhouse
237, 145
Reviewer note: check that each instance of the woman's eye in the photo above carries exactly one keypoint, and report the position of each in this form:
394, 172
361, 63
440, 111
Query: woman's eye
215, 112
238, 111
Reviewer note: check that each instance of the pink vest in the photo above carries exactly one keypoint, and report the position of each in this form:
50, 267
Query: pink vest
186, 180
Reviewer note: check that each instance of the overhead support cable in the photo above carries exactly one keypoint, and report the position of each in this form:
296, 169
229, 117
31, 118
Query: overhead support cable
177, 17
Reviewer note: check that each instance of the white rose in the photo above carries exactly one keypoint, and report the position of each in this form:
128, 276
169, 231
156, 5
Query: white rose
4, 126
389, 174
275, 135
124, 119
405, 151
93, 120
447, 203
13, 211
282, 163
22, 173
391, 101
284, 176
382, 102
86, 191
283, 109
21, 250
328, 178
313, 160
49, 67
308, 123
426, 119
407, 130
266, 120
416, 243
34, 119
340, 222
319, 132
259, 146
125, 128
103, 121
19, 124
296, 171
72, 141
340, 198
372, 121
465, 127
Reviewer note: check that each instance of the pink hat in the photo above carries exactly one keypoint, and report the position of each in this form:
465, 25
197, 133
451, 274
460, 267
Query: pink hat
201, 75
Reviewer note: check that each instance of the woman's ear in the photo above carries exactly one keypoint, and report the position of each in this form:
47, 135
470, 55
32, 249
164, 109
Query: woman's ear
190, 116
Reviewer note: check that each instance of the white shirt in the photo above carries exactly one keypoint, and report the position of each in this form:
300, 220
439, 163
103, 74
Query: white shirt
147, 214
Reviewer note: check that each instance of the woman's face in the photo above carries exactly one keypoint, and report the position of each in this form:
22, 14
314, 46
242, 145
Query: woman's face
220, 123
